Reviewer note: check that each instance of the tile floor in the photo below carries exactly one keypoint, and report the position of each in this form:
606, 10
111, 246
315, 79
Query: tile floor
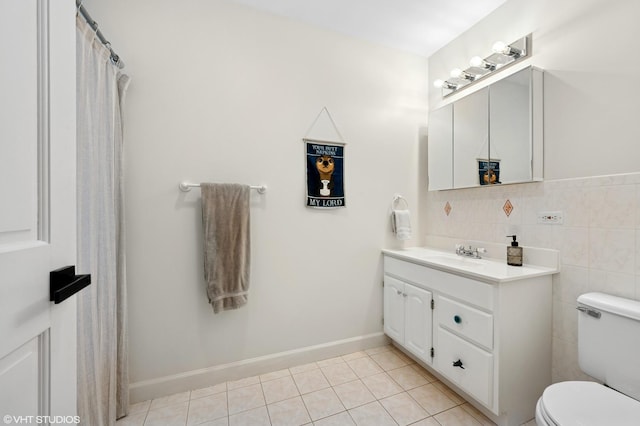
376, 387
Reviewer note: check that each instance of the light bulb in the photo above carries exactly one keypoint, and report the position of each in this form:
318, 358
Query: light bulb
476, 61
499, 47
456, 73
438, 84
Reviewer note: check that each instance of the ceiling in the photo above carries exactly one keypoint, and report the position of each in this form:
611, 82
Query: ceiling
417, 26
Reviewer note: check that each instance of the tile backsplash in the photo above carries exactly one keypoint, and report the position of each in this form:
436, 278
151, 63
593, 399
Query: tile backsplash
598, 239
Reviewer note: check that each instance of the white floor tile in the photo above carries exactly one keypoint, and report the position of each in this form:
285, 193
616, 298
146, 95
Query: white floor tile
404, 409
371, 414
341, 419
207, 408
338, 373
245, 398
274, 375
170, 415
381, 385
354, 355
322, 403
364, 367
140, 407
388, 360
378, 349
484, 420
456, 417
135, 419
431, 399
279, 389
310, 381
291, 412
407, 377
243, 382
330, 361
303, 368
256, 417
224, 421
354, 394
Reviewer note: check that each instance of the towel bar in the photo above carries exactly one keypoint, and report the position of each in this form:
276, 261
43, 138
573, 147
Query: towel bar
186, 187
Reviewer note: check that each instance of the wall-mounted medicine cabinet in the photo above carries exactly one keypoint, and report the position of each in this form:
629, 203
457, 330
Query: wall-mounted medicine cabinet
490, 137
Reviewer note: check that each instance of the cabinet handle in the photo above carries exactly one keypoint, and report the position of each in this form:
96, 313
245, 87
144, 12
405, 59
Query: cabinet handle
457, 319
399, 292
458, 363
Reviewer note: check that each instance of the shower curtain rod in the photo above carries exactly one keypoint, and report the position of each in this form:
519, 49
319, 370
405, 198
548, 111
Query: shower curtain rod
92, 23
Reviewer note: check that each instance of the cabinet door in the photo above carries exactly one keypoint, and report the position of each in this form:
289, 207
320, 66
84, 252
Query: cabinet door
470, 138
440, 148
510, 126
394, 308
418, 321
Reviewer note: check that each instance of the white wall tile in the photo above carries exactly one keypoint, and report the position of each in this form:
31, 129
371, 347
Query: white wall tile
570, 283
599, 240
612, 250
615, 283
612, 206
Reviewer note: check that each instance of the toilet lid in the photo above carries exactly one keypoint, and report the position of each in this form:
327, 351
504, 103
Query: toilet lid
589, 403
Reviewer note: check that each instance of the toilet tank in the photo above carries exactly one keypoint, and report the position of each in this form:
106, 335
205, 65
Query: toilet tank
609, 341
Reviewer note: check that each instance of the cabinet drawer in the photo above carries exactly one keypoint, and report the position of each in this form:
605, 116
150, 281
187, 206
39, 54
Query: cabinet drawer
475, 373
472, 291
465, 321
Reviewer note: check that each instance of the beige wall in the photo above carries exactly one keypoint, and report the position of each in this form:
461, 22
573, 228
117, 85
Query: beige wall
219, 93
591, 154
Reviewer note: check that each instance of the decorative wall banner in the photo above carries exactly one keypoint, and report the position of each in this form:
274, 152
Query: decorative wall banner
325, 174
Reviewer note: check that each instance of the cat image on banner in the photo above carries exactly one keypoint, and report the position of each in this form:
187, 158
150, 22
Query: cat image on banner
325, 174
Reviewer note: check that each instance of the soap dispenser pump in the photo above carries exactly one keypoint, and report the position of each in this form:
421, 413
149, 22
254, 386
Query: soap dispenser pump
514, 253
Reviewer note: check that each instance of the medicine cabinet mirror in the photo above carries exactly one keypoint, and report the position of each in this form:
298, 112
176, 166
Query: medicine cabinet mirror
490, 137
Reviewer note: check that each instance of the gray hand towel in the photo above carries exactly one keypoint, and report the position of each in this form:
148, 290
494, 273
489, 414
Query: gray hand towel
227, 244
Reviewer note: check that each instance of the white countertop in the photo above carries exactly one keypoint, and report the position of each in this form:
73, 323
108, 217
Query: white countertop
486, 269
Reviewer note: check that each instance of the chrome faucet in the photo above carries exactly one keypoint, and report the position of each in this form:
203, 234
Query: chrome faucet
470, 252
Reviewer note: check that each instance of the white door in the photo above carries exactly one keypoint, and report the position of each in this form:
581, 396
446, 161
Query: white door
37, 208
418, 321
393, 301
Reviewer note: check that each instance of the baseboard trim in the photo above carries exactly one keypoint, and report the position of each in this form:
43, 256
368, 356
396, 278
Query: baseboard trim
195, 379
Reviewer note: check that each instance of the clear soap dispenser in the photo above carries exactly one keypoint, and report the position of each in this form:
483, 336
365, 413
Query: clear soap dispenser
514, 253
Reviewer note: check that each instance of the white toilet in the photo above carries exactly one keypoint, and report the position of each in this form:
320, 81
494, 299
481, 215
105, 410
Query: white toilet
609, 351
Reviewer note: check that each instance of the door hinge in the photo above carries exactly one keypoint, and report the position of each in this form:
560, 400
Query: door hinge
432, 353
433, 304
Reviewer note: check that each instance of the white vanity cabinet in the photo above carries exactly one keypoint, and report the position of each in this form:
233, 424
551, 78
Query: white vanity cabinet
489, 340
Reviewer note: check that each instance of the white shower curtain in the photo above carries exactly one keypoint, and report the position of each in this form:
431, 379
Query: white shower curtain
103, 380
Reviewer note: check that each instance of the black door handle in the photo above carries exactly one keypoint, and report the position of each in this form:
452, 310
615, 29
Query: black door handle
64, 283
458, 363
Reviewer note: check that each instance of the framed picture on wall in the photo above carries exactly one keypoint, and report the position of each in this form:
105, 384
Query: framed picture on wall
325, 174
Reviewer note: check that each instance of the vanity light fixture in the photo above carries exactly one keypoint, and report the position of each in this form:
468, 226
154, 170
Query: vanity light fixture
507, 50
458, 73
478, 62
504, 54
442, 84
